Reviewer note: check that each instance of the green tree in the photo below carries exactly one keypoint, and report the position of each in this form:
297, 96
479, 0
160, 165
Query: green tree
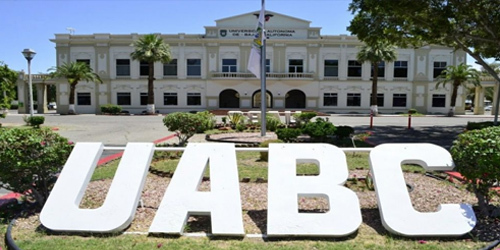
74, 72
458, 75
8, 80
151, 48
472, 26
377, 52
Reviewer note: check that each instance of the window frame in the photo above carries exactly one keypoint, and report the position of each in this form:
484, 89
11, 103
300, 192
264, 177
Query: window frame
143, 67
80, 96
122, 67
353, 99
193, 96
123, 98
332, 98
439, 68
442, 97
354, 65
399, 96
171, 64
295, 68
229, 65
193, 68
167, 96
399, 67
328, 68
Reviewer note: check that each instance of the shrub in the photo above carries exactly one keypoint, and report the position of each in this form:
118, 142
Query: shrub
265, 155
303, 118
111, 109
184, 124
31, 159
240, 127
477, 156
235, 119
207, 121
412, 111
272, 122
288, 134
319, 130
35, 121
479, 125
343, 131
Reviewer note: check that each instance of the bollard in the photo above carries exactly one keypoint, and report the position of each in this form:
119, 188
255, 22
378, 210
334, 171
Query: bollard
409, 120
371, 119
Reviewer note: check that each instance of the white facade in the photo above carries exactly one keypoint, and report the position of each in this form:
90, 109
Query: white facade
307, 70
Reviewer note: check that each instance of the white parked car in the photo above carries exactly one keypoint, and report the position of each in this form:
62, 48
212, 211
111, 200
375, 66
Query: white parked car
488, 108
52, 105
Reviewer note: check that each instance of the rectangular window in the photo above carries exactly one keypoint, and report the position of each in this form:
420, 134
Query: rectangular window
438, 101
295, 66
169, 99
86, 61
229, 65
170, 68
123, 98
122, 67
144, 99
331, 68
268, 65
438, 68
380, 68
193, 99
83, 99
193, 67
353, 99
353, 68
330, 99
399, 100
380, 99
144, 68
401, 69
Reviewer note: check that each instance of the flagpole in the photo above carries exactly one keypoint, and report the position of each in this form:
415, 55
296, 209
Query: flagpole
263, 93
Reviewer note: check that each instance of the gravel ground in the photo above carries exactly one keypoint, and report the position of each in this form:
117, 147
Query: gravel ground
427, 194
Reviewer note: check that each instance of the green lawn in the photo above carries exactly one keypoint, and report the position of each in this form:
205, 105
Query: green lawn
250, 166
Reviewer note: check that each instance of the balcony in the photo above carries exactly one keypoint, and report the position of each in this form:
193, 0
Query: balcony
238, 75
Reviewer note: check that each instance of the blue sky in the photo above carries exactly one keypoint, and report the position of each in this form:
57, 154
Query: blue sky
31, 23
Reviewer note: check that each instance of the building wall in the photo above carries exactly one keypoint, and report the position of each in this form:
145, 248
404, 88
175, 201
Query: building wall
290, 39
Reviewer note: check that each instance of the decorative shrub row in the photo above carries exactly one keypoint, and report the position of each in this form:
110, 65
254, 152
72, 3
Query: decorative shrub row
479, 125
111, 109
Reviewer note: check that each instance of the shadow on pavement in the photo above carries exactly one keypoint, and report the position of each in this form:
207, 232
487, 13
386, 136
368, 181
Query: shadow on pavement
439, 135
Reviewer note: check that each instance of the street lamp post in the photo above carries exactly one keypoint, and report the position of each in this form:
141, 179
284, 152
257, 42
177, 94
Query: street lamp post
29, 54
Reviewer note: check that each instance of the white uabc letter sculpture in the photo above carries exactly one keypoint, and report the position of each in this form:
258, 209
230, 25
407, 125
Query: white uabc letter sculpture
285, 187
61, 211
182, 199
396, 210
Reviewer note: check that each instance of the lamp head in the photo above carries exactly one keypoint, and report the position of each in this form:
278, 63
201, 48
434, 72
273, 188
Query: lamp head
28, 54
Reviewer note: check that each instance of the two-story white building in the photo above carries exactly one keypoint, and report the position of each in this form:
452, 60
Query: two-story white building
305, 70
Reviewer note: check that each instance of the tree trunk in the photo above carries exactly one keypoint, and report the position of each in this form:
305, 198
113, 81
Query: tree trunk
72, 88
453, 99
373, 102
151, 90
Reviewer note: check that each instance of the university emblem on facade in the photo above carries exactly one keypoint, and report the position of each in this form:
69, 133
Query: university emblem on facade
223, 33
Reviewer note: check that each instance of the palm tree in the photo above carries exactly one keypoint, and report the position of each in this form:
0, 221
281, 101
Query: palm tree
74, 72
458, 75
376, 53
151, 48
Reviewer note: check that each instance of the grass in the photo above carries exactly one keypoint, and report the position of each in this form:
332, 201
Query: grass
40, 241
250, 166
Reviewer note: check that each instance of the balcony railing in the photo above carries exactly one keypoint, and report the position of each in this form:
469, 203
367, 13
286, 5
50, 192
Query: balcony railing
233, 75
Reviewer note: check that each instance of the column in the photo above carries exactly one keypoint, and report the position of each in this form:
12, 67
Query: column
479, 101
